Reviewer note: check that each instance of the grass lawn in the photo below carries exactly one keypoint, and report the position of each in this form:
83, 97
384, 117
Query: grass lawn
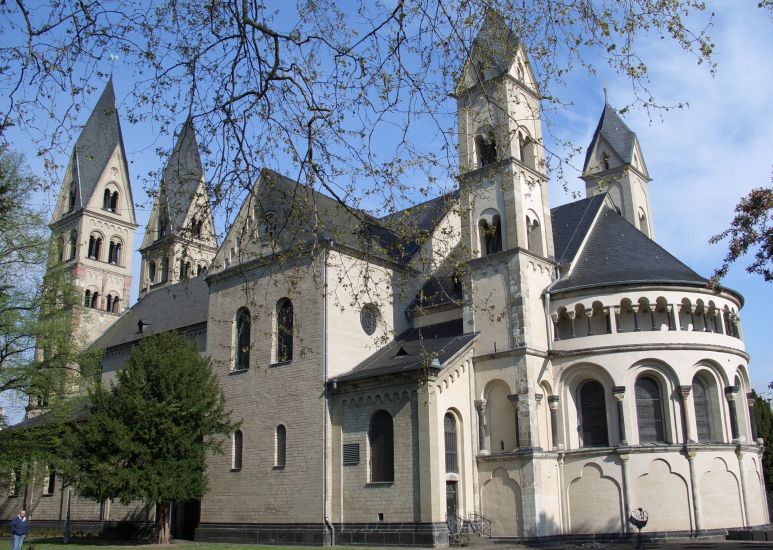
106, 544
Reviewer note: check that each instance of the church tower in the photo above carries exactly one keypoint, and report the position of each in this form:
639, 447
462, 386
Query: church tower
507, 232
179, 240
614, 164
93, 223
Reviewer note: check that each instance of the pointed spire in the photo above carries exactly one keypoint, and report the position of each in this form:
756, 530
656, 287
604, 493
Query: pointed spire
615, 132
182, 175
97, 141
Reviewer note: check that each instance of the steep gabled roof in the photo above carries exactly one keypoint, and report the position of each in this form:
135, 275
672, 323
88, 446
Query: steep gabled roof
304, 214
182, 176
616, 252
414, 350
170, 308
96, 143
615, 132
570, 225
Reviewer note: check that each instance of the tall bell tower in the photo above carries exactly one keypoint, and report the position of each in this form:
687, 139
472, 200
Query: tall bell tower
93, 223
506, 228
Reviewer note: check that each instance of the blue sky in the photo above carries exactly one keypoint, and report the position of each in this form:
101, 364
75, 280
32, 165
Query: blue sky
702, 158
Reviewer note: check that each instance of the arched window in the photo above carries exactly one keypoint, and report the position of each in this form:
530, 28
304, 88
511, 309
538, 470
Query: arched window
490, 236
165, 270
236, 451
109, 303
114, 202
201, 269
196, 226
152, 271
243, 332
281, 446
114, 252
649, 411
534, 235
643, 226
526, 149
95, 300
605, 161
73, 244
449, 428
106, 200
71, 202
116, 304
700, 401
486, 146
592, 415
284, 330
162, 226
95, 246
87, 299
382, 447
184, 268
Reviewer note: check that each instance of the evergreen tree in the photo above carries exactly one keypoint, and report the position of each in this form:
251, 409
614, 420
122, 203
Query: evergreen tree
147, 436
763, 416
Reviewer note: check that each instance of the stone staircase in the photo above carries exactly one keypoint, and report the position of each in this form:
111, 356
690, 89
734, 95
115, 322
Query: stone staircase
474, 530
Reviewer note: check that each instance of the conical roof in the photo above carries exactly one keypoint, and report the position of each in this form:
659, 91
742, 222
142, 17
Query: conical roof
615, 132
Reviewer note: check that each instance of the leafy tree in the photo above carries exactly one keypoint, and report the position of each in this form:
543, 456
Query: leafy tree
750, 230
41, 360
147, 436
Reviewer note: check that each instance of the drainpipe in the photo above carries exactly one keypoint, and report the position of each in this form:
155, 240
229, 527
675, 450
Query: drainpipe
326, 390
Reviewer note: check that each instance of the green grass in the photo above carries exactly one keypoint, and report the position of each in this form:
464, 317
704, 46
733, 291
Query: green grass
55, 543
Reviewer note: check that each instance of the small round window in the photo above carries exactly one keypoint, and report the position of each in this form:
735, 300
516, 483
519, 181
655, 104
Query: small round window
369, 317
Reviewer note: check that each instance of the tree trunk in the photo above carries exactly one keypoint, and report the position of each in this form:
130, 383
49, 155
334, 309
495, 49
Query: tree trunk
163, 521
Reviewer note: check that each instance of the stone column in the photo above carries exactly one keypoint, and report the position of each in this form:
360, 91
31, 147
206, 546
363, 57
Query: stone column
535, 442
553, 401
556, 332
614, 312
627, 491
608, 319
480, 406
588, 315
730, 393
572, 316
739, 454
671, 313
751, 397
514, 401
684, 393
696, 497
619, 393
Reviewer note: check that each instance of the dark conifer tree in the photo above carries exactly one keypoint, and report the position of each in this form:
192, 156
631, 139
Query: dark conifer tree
147, 436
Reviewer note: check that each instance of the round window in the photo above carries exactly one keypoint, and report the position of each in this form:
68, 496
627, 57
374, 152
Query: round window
369, 317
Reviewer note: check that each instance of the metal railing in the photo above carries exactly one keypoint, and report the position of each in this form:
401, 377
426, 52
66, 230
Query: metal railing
460, 528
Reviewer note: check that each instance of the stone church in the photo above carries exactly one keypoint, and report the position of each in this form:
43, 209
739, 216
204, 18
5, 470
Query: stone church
478, 361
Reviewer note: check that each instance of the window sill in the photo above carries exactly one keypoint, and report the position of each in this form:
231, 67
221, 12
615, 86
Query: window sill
236, 470
280, 363
278, 468
47, 494
379, 484
237, 371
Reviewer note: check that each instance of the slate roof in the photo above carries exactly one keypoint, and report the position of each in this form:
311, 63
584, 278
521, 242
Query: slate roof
570, 225
615, 132
412, 350
618, 253
95, 145
397, 236
169, 308
497, 41
181, 177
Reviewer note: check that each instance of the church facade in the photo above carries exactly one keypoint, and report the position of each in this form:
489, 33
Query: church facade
479, 359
